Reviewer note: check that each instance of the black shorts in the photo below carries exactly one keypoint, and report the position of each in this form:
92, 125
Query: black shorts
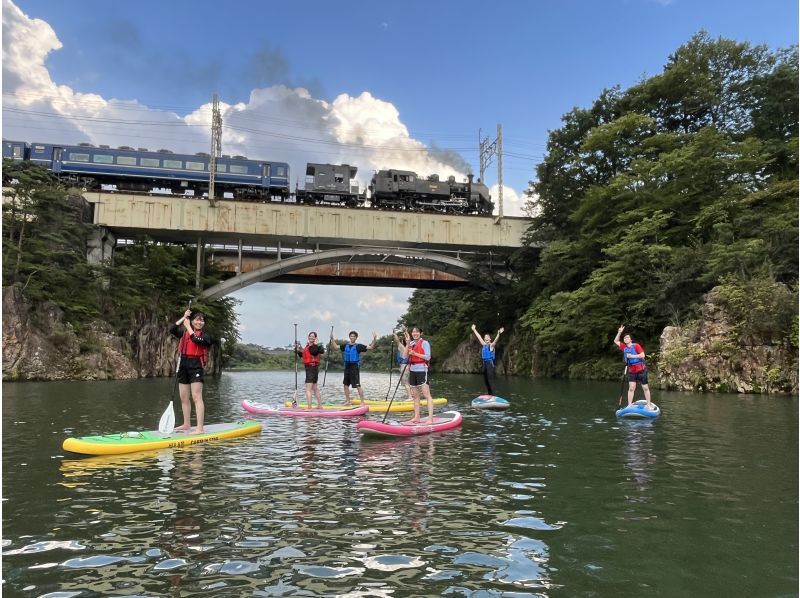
352, 375
638, 377
418, 378
191, 371
312, 374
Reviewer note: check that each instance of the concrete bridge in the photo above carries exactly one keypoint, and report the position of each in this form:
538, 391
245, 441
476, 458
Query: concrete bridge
287, 241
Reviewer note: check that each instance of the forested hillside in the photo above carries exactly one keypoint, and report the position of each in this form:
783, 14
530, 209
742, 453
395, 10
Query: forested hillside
647, 200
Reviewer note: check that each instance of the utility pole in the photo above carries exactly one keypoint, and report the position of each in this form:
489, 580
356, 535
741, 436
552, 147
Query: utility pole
500, 170
216, 148
487, 149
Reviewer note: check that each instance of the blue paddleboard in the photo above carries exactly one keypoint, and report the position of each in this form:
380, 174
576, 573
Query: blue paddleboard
638, 411
490, 402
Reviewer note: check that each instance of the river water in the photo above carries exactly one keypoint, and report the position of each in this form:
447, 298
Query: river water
553, 497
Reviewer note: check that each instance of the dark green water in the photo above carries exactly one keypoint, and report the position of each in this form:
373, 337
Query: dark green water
551, 498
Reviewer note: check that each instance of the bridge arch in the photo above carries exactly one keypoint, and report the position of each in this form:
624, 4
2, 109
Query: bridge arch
391, 255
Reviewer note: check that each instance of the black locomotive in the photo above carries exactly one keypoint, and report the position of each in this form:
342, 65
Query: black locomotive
405, 190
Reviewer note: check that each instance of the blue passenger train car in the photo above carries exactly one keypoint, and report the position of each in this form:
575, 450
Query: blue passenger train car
142, 170
15, 150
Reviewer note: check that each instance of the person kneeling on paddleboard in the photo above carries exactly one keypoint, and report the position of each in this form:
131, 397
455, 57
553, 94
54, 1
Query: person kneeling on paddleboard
419, 358
311, 354
636, 368
192, 358
352, 363
487, 355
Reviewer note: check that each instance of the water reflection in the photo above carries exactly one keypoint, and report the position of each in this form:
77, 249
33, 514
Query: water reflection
181, 536
639, 454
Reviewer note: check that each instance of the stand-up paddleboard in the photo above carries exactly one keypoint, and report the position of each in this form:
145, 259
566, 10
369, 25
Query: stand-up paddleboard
382, 406
638, 411
443, 421
384, 403
490, 402
131, 442
338, 411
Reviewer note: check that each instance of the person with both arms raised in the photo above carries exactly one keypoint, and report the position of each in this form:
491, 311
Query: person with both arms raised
487, 355
311, 354
352, 363
192, 356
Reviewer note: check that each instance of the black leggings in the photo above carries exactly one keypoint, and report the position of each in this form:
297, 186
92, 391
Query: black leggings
488, 376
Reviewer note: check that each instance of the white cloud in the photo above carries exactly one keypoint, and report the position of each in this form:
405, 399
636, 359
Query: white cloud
269, 310
514, 203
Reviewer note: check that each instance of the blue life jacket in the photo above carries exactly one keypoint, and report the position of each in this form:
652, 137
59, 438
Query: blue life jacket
487, 353
400, 359
632, 351
351, 354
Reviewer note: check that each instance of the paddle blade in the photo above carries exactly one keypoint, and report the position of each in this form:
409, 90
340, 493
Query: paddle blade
167, 423
294, 399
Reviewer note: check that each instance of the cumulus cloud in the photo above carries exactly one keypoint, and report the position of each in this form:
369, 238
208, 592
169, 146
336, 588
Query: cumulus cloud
514, 203
268, 311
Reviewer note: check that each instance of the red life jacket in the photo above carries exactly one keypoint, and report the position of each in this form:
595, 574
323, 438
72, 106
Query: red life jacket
193, 350
415, 358
308, 358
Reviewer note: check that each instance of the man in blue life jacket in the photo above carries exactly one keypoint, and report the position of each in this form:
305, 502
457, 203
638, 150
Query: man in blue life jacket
487, 356
351, 352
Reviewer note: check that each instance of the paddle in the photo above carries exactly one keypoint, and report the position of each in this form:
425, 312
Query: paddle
167, 422
294, 398
622, 389
394, 394
391, 363
327, 358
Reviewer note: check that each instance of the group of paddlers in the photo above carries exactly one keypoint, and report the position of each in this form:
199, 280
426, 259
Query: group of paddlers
413, 357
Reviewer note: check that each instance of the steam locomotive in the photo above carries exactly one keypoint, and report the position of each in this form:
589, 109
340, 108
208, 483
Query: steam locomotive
144, 171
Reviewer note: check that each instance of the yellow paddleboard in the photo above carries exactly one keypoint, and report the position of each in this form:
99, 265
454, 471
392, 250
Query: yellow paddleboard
132, 442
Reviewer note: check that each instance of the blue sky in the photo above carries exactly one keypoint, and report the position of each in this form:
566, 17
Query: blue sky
431, 73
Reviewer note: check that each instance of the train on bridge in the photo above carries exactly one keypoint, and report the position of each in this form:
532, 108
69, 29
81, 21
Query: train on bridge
139, 170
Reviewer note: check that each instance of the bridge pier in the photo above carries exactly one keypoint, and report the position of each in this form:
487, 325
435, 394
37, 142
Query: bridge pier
198, 274
100, 246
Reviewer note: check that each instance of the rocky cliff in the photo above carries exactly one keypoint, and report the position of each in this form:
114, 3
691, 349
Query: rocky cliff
39, 344
712, 355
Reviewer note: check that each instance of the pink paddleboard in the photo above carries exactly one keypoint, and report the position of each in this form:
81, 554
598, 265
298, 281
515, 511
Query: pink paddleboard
443, 421
263, 409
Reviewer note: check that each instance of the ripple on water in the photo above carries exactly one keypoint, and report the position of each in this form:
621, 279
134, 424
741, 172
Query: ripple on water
45, 546
393, 562
328, 572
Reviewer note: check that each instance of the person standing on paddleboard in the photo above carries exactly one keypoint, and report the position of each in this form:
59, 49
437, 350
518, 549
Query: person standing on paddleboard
637, 370
419, 359
402, 360
352, 363
311, 354
193, 355
487, 355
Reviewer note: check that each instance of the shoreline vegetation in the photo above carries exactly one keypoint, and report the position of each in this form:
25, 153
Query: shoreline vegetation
669, 207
